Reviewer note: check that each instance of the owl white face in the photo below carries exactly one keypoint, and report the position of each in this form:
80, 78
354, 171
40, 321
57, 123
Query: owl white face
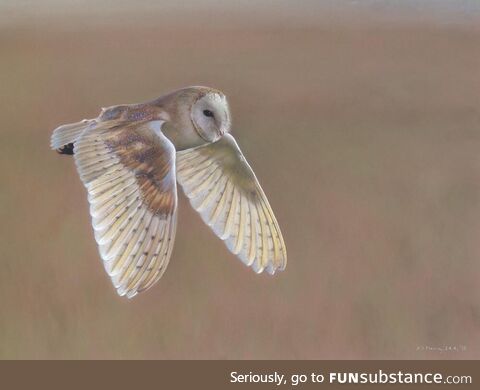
211, 116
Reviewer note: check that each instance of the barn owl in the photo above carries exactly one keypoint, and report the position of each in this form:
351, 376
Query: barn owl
130, 159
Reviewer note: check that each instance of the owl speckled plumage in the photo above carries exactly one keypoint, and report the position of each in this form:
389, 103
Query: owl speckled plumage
130, 158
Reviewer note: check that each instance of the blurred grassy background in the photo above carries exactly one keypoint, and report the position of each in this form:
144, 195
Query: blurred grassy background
361, 120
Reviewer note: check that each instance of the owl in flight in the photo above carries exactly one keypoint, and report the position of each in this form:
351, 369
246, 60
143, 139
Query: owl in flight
130, 158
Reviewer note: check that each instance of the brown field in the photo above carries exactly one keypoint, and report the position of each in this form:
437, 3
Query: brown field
365, 134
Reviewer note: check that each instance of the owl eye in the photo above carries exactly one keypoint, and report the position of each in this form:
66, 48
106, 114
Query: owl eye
208, 113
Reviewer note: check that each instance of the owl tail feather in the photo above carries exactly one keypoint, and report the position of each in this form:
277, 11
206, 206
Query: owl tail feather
65, 136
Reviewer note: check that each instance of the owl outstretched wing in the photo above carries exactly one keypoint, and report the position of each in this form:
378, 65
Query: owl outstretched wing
222, 187
128, 170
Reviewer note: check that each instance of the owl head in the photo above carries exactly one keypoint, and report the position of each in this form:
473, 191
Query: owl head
199, 114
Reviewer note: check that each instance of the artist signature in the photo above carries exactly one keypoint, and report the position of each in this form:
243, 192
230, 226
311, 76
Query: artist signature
441, 348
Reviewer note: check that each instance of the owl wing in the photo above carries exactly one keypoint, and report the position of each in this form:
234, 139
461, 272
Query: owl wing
129, 172
222, 187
